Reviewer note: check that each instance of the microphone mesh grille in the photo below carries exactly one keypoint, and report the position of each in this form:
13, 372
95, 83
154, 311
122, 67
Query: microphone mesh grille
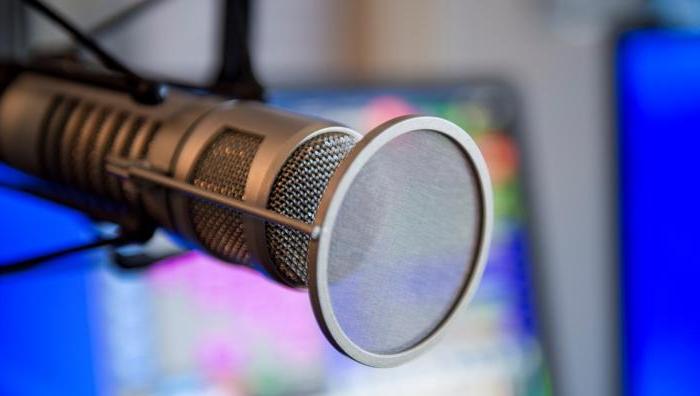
223, 168
296, 193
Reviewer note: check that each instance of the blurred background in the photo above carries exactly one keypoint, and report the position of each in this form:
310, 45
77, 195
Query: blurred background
586, 110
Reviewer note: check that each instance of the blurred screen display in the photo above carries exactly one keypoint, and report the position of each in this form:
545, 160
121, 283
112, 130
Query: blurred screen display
192, 325
658, 84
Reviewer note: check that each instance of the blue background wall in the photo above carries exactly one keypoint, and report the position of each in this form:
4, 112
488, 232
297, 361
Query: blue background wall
659, 103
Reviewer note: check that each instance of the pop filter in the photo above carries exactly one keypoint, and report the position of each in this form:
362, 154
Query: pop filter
406, 222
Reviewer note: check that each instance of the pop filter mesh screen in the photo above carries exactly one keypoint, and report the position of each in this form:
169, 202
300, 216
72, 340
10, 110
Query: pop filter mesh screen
404, 242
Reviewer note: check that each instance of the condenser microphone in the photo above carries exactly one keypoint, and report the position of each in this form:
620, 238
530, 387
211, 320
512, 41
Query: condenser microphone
388, 231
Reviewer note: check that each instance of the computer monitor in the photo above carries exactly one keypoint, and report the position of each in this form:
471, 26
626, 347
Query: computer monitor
194, 325
658, 99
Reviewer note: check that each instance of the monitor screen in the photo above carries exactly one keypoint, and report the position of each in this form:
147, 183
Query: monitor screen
658, 85
196, 326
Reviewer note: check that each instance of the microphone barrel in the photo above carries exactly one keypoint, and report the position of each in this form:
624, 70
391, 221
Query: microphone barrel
63, 131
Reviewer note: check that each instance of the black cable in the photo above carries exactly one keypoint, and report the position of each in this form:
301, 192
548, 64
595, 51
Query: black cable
103, 56
123, 16
128, 237
106, 26
144, 91
26, 264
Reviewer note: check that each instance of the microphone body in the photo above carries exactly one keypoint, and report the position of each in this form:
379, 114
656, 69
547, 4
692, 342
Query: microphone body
65, 132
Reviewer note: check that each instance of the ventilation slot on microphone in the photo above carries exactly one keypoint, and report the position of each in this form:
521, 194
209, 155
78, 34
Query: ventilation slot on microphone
120, 147
72, 132
53, 134
223, 168
104, 139
296, 193
56, 107
69, 139
78, 135
84, 147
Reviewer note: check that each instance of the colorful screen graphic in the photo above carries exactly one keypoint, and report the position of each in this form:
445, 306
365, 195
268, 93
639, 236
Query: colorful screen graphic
192, 325
658, 84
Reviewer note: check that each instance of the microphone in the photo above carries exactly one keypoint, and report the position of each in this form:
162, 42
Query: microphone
388, 231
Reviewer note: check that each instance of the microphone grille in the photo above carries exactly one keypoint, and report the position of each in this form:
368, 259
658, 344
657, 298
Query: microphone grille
223, 169
296, 193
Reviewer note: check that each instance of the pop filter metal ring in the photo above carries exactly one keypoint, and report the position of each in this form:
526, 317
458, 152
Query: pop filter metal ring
331, 203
